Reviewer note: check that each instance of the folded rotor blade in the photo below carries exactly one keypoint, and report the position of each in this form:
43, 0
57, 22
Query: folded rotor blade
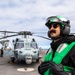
9, 31
9, 36
43, 37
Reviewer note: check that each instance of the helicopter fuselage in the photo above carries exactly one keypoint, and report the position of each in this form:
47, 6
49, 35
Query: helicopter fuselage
26, 49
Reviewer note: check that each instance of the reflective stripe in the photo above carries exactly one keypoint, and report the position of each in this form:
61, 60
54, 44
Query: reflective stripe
49, 50
61, 47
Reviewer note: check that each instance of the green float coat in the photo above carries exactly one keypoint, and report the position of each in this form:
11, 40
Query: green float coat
60, 53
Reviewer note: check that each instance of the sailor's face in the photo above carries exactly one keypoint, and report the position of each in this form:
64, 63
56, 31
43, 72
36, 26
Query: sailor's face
54, 30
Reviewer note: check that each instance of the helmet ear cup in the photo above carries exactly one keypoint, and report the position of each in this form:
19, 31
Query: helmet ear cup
66, 30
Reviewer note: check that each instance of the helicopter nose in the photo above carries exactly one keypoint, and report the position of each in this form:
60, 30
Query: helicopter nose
28, 60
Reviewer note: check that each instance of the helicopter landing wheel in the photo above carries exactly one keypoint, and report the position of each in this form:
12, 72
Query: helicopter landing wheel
37, 60
12, 59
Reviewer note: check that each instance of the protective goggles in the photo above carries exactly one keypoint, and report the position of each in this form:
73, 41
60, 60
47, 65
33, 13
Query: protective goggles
54, 25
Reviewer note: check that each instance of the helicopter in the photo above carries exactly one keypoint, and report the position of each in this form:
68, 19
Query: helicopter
24, 48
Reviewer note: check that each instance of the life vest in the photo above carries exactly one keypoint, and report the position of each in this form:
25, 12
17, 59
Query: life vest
60, 53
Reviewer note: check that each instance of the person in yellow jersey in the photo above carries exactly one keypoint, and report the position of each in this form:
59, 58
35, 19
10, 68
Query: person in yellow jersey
60, 59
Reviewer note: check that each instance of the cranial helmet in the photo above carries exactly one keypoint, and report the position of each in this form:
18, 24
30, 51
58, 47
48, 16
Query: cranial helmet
65, 24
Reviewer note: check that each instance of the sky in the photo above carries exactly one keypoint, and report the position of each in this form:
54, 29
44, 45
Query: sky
31, 15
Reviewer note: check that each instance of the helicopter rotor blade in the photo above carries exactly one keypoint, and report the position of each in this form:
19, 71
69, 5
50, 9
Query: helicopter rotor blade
43, 37
9, 31
23, 33
8, 36
72, 33
39, 32
49, 38
19, 33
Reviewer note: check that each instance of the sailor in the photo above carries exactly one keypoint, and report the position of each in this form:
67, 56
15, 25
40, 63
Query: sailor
60, 60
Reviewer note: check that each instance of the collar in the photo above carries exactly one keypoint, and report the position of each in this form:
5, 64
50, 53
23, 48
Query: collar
65, 39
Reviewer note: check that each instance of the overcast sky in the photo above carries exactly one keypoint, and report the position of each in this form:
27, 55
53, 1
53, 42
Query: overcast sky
30, 15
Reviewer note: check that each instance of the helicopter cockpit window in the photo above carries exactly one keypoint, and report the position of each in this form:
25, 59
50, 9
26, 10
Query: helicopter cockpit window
27, 45
34, 45
19, 45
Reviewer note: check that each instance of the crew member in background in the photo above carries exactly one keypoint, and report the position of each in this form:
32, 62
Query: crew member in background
2, 52
60, 60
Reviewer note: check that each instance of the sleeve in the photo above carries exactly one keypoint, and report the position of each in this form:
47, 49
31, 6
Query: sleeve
69, 60
72, 55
